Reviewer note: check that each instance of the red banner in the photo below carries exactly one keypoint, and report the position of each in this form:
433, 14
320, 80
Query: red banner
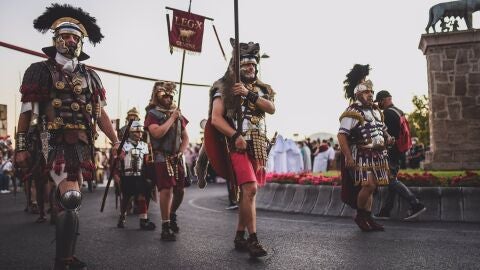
187, 31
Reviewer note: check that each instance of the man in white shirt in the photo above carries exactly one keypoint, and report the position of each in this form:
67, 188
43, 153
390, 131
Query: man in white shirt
6, 170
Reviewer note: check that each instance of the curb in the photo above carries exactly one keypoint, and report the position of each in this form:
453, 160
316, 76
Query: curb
443, 203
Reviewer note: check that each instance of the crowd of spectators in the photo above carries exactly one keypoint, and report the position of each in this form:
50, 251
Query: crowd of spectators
6, 165
322, 155
319, 155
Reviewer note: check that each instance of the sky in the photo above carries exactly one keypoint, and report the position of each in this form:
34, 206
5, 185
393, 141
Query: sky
312, 46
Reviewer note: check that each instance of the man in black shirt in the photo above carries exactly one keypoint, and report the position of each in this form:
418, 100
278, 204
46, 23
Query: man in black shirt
392, 120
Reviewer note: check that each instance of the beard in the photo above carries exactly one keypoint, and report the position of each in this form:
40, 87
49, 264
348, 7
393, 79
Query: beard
246, 76
165, 103
71, 50
368, 102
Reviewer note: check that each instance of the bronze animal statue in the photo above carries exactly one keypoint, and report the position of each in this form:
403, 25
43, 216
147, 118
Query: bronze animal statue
461, 8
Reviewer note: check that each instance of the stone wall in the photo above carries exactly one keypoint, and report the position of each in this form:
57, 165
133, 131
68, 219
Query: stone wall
453, 66
3, 120
443, 203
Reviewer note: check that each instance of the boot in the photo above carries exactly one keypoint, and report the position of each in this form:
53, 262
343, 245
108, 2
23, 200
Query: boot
173, 223
41, 219
415, 211
361, 221
240, 241
121, 222
254, 248
34, 208
373, 224
167, 234
69, 264
147, 225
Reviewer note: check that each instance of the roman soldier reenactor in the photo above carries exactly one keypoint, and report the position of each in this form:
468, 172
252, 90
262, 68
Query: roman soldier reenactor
131, 177
63, 101
169, 139
132, 114
363, 138
244, 132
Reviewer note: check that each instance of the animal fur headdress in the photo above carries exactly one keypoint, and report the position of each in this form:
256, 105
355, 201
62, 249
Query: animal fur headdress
249, 53
354, 77
164, 88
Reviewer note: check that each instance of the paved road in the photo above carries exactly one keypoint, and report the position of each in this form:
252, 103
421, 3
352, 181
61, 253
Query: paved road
206, 240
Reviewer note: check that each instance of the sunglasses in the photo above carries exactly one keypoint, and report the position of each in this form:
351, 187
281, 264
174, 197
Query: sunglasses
167, 96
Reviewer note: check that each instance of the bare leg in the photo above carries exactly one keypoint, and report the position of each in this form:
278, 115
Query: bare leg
247, 208
177, 198
166, 195
33, 196
364, 203
40, 185
365, 194
142, 206
28, 194
368, 207
248, 217
166, 202
123, 204
51, 199
241, 217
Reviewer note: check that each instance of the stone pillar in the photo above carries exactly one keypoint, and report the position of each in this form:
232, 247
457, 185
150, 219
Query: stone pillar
3, 120
453, 61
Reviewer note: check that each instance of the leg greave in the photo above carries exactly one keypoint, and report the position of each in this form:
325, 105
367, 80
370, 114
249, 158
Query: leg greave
66, 233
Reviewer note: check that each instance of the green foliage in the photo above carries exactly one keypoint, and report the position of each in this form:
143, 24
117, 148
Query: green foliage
418, 119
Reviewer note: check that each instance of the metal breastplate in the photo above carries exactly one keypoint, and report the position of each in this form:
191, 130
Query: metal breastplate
166, 144
253, 118
71, 105
370, 134
133, 162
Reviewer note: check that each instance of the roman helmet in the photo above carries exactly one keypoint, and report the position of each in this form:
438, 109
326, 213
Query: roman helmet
62, 19
356, 81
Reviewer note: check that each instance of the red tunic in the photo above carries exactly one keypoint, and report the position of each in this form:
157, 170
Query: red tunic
162, 177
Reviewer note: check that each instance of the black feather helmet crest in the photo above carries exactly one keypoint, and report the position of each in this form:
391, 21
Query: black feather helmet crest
356, 75
67, 19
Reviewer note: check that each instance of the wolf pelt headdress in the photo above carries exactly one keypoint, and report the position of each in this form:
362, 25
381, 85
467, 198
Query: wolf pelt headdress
249, 53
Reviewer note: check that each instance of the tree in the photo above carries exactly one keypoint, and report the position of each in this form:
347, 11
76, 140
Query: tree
418, 120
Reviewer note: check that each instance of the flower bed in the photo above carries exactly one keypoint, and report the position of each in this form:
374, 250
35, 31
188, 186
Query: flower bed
470, 179
303, 179
425, 179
